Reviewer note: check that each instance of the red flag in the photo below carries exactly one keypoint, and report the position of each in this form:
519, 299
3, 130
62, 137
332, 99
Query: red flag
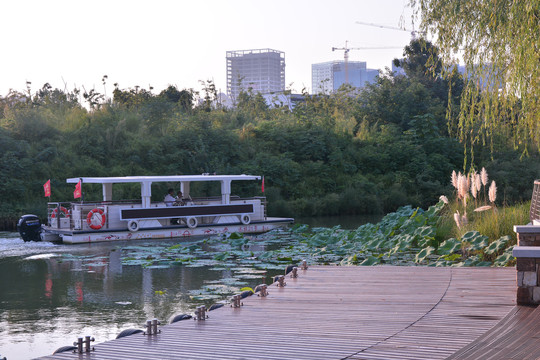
77, 193
47, 188
262, 186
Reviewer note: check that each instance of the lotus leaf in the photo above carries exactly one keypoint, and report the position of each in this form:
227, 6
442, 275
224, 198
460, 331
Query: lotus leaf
369, 261
425, 231
478, 243
222, 256
300, 228
425, 241
449, 246
269, 266
248, 271
451, 257
94, 264
205, 297
506, 259
484, 263
235, 235
470, 236
470, 261
424, 253
497, 245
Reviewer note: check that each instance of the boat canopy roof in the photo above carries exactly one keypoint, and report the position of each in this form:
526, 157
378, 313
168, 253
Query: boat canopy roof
167, 178
146, 184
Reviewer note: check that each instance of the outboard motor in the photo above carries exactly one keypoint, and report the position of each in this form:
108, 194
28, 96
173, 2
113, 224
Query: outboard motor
29, 227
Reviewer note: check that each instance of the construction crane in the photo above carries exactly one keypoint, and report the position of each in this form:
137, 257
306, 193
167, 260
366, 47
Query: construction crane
346, 50
413, 32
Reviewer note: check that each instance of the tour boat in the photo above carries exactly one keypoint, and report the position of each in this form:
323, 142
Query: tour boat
108, 220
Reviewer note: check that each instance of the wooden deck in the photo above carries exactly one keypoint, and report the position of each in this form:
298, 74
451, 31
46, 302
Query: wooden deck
340, 313
515, 337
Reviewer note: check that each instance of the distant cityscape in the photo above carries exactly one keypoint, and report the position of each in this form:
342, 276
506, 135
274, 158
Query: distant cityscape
263, 71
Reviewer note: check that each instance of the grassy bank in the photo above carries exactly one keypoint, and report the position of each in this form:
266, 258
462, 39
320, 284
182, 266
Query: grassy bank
493, 223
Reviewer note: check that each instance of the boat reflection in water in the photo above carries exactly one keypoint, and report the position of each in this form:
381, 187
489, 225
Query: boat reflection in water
52, 294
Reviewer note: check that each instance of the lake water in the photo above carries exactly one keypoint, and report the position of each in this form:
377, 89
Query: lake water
349, 222
51, 294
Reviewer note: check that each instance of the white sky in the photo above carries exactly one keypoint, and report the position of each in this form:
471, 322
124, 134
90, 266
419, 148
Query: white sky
178, 42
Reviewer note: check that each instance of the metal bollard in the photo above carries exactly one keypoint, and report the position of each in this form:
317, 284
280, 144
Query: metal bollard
87, 341
236, 301
294, 272
203, 312
304, 265
264, 290
155, 324
152, 327
200, 313
79, 345
148, 327
281, 281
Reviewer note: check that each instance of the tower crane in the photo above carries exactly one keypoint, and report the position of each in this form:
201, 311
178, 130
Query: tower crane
346, 50
413, 32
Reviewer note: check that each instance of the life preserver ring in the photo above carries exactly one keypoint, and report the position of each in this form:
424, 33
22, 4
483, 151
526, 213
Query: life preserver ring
101, 218
192, 222
133, 225
245, 219
62, 209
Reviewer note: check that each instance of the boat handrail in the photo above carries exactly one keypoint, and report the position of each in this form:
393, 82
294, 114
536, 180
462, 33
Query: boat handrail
71, 204
95, 203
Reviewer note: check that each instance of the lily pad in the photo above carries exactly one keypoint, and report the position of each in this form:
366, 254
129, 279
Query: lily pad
449, 246
424, 253
497, 245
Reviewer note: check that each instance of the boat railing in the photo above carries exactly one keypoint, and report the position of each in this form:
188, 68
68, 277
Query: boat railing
109, 202
59, 214
83, 213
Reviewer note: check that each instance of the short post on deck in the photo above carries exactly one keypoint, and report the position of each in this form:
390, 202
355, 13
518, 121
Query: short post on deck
527, 266
527, 254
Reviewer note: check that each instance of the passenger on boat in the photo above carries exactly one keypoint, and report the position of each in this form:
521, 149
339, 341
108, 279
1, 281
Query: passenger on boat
179, 201
169, 198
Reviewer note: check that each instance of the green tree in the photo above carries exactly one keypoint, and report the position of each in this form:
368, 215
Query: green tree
499, 42
183, 98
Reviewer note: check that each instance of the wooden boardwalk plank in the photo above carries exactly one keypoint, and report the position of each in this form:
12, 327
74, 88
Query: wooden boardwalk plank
515, 337
381, 312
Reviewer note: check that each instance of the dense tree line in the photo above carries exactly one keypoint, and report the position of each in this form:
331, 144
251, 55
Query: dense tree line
355, 151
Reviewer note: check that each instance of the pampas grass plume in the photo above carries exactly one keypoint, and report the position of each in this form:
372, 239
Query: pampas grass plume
463, 186
482, 208
464, 219
444, 199
484, 176
478, 182
457, 219
474, 190
492, 192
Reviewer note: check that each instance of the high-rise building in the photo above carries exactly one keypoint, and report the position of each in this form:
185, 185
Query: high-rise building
261, 70
329, 76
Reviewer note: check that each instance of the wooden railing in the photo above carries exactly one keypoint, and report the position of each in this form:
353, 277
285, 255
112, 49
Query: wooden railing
534, 213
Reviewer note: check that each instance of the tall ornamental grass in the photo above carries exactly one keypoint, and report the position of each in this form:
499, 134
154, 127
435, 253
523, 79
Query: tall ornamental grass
474, 209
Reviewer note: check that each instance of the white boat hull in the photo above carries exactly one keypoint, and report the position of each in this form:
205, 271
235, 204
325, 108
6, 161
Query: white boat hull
80, 237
